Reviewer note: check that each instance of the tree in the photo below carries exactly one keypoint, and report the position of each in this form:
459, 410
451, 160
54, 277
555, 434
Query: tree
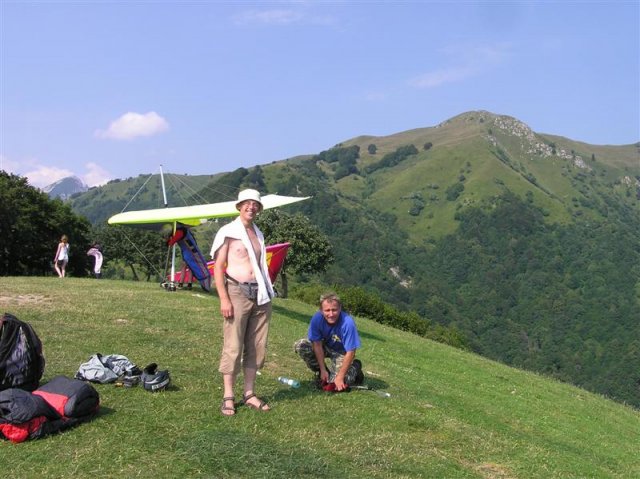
372, 149
454, 191
343, 155
392, 159
310, 251
255, 178
134, 247
31, 225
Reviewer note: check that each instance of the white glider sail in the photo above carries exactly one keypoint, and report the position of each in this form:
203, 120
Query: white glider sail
197, 214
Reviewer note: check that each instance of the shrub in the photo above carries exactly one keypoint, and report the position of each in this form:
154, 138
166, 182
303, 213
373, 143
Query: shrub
359, 302
454, 191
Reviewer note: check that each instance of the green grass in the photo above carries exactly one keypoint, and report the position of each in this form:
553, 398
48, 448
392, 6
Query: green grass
451, 414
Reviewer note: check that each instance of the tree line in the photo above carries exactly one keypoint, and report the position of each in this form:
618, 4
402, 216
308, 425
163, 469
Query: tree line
559, 299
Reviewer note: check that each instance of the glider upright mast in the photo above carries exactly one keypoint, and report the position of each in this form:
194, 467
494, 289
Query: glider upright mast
172, 284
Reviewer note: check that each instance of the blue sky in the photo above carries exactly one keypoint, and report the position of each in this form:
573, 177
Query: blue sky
114, 89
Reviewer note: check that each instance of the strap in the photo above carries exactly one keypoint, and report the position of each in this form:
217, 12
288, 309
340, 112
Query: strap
235, 281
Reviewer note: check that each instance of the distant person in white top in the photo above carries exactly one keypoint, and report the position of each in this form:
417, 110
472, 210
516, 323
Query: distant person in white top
62, 256
96, 252
245, 292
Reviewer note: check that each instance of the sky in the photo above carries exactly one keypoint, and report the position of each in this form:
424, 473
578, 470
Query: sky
114, 89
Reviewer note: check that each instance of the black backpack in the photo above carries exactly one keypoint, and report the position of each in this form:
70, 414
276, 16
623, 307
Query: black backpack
21, 358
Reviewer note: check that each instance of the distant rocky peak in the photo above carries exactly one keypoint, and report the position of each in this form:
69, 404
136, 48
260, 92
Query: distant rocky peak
65, 187
532, 145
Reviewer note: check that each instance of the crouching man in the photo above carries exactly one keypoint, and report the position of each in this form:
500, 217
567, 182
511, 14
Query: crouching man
333, 335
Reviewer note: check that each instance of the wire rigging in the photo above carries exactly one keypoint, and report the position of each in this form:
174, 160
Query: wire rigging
136, 194
179, 185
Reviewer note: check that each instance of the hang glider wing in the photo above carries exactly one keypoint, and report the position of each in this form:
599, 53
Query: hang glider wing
276, 254
195, 215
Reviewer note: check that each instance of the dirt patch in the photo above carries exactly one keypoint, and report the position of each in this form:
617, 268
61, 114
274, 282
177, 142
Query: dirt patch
493, 471
22, 299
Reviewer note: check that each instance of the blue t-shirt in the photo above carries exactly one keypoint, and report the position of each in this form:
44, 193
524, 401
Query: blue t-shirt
340, 337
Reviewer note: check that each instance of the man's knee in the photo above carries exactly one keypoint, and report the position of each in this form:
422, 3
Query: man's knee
302, 347
355, 376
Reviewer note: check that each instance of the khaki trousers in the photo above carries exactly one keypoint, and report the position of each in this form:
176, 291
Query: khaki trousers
244, 336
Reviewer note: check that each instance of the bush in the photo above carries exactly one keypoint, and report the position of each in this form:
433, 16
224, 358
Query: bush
308, 293
359, 302
454, 191
392, 159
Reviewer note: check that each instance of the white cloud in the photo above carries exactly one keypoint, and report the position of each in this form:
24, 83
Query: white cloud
299, 12
45, 175
467, 61
375, 96
37, 175
96, 175
7, 165
440, 77
133, 125
40, 175
269, 17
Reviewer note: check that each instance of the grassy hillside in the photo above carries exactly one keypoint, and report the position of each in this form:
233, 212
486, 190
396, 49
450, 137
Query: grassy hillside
564, 287
481, 151
488, 153
451, 414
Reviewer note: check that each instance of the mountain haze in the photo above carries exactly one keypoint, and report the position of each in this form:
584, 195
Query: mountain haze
525, 242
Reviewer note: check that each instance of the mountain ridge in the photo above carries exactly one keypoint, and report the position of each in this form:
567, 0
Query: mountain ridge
478, 223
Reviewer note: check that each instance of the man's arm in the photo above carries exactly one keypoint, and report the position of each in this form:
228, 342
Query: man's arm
318, 350
346, 363
226, 308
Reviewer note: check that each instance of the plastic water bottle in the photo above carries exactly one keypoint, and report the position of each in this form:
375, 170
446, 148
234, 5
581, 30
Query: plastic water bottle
294, 383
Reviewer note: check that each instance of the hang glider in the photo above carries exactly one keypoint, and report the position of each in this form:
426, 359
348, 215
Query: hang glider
197, 214
276, 254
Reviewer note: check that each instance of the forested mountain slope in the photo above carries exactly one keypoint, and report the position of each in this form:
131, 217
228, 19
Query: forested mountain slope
527, 242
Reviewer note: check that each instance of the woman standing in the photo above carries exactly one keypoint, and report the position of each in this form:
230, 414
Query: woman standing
62, 256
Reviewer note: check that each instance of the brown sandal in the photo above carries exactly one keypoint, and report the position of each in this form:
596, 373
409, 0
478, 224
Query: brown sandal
224, 407
262, 407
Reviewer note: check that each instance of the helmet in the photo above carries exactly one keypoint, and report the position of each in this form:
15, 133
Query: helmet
154, 380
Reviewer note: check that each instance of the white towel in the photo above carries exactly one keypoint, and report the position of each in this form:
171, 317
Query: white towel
236, 230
